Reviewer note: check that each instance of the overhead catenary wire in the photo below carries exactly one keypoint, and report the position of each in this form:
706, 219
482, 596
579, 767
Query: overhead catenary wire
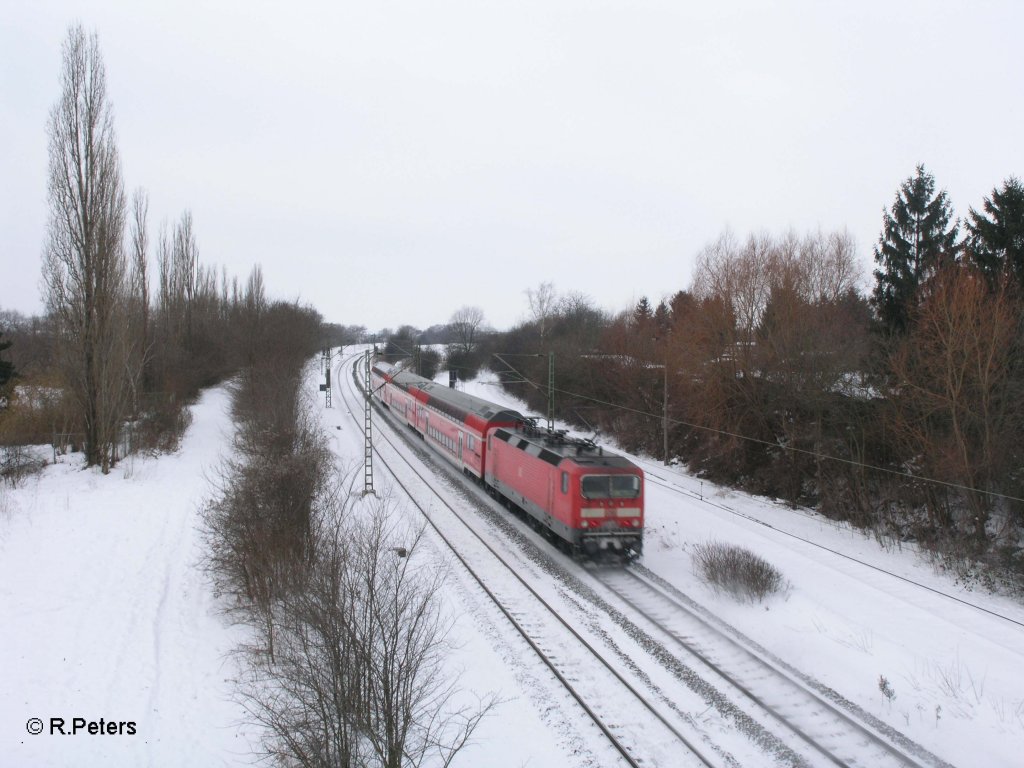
525, 380
770, 444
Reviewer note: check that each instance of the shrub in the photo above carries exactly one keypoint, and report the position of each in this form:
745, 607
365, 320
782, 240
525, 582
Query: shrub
17, 462
358, 673
738, 571
161, 423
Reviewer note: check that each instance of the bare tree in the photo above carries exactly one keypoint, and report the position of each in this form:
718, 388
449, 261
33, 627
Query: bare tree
832, 270
84, 269
357, 675
401, 636
957, 393
741, 274
139, 292
543, 305
465, 323
781, 326
186, 272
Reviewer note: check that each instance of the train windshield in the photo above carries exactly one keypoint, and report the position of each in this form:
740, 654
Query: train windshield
610, 486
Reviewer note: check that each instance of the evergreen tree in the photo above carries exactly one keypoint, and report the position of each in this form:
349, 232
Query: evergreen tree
682, 306
996, 242
917, 238
7, 372
642, 313
662, 318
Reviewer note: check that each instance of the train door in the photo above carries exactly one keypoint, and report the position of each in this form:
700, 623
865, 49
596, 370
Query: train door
490, 464
550, 506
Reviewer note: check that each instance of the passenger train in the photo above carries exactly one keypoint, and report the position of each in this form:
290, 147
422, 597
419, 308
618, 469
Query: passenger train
588, 500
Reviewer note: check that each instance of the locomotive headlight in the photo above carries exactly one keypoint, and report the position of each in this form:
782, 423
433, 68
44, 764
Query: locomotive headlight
583, 523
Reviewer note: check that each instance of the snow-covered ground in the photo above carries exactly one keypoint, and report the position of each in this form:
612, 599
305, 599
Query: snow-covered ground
106, 613
853, 613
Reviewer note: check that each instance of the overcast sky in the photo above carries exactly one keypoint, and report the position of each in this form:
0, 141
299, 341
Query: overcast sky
389, 162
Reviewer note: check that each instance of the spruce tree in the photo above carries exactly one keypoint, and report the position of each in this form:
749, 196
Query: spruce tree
662, 318
642, 313
7, 371
917, 238
995, 242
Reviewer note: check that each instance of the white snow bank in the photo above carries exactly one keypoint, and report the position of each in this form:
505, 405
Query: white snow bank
107, 615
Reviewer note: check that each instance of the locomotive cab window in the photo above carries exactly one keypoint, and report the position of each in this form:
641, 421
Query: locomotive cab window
610, 486
565, 482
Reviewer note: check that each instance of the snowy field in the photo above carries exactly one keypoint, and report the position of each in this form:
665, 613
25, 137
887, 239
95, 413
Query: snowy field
853, 613
106, 614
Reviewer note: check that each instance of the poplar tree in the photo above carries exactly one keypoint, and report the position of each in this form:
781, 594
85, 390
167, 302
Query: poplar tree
917, 239
84, 266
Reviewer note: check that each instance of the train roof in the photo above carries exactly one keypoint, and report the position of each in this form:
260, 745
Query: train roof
457, 404
554, 447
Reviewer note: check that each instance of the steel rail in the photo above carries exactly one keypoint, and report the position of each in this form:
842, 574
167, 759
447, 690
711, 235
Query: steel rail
594, 716
654, 480
650, 582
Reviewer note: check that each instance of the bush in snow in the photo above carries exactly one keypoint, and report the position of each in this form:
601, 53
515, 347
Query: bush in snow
358, 674
348, 663
736, 570
17, 462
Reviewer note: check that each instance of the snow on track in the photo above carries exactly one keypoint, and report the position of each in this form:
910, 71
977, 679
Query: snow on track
105, 613
854, 613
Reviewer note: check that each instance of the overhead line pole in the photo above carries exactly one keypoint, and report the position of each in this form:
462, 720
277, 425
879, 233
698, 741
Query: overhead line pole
368, 433
551, 392
664, 416
326, 365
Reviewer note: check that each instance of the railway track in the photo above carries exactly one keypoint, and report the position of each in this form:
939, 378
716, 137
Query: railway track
798, 711
557, 643
796, 721
652, 478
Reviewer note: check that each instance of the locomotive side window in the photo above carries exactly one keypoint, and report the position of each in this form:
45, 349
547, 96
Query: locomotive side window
610, 486
565, 482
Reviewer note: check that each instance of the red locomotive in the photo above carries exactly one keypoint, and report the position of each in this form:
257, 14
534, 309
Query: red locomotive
587, 499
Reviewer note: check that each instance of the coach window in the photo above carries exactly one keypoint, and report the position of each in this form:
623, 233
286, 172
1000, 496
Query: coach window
565, 482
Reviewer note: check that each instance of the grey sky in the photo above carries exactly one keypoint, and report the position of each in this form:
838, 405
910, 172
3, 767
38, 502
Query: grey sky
389, 162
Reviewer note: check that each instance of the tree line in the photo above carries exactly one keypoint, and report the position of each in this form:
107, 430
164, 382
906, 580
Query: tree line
346, 665
121, 352
896, 408
347, 659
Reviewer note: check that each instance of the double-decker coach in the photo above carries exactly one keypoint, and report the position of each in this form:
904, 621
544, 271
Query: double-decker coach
453, 423
586, 498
